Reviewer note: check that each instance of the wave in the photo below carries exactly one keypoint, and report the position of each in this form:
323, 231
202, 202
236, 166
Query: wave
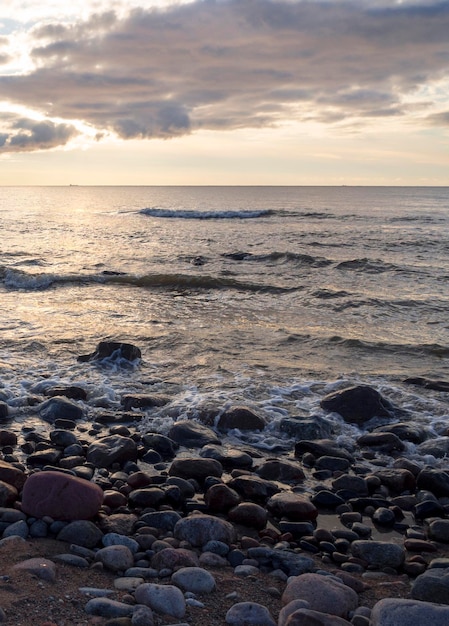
21, 281
280, 257
432, 349
187, 214
372, 266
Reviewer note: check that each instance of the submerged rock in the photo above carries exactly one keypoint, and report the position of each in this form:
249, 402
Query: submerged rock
242, 418
359, 404
112, 349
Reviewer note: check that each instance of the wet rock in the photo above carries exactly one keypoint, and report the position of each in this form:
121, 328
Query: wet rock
439, 530
196, 468
322, 447
4, 411
194, 579
283, 471
198, 529
427, 383
163, 599
60, 408
249, 514
253, 488
354, 484
71, 391
332, 463
405, 431
434, 480
60, 496
293, 506
143, 401
249, 614
162, 444
358, 404
381, 442
114, 350
240, 417
397, 480
111, 449
192, 434
230, 459
7, 438
325, 499
379, 554
302, 428
149, 497
438, 448
432, 586
221, 498
323, 593
8, 494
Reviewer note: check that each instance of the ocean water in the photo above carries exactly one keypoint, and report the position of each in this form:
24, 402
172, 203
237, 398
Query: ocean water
268, 297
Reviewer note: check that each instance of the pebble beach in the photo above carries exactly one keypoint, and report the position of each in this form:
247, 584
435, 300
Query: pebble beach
105, 522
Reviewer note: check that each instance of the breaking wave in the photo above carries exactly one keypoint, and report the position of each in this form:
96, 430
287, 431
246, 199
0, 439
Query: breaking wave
187, 214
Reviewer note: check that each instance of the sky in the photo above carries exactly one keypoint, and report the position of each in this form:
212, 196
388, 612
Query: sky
224, 92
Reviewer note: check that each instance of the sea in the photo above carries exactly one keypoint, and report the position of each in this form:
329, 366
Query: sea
264, 297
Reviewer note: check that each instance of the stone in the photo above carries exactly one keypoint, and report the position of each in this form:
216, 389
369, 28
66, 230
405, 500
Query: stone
434, 480
249, 614
162, 444
241, 418
40, 567
8, 494
295, 507
164, 599
198, 529
322, 447
142, 616
7, 438
196, 468
105, 607
439, 530
381, 442
249, 514
60, 408
113, 350
70, 391
163, 520
439, 447
73, 560
221, 498
307, 617
194, 579
174, 558
150, 497
19, 528
230, 459
290, 608
111, 449
302, 428
323, 593
63, 438
115, 558
283, 471
432, 586
115, 539
253, 488
379, 554
358, 404
404, 612
406, 432
60, 496
143, 401
427, 383
192, 434
398, 480
81, 533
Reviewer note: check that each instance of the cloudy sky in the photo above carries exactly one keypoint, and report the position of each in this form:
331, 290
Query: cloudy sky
224, 92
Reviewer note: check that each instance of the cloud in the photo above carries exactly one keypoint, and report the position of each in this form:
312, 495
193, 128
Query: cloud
26, 135
231, 64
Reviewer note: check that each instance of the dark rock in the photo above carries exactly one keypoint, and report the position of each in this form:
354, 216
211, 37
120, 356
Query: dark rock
322, 447
8, 494
114, 350
379, 554
165, 446
384, 517
332, 463
253, 488
192, 434
293, 506
197, 468
63, 438
242, 418
434, 480
306, 428
381, 441
198, 529
72, 392
397, 480
221, 498
283, 471
439, 447
151, 497
174, 558
230, 459
326, 499
7, 438
432, 586
81, 533
439, 530
140, 401
404, 612
427, 509
354, 484
50, 456
405, 431
163, 520
358, 404
249, 514
435, 385
4, 411
12, 475
60, 408
111, 449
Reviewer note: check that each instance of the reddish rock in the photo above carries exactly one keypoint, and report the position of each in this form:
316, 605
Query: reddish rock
8, 494
249, 514
60, 496
294, 506
12, 475
221, 498
174, 558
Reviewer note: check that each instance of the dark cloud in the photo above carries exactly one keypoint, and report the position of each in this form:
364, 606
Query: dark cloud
235, 64
26, 135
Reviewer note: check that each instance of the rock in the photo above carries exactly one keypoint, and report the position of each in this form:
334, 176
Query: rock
231, 459
115, 558
402, 612
221, 498
290, 608
439, 530
397, 480
163, 520
8, 494
406, 431
294, 506
196, 468
142, 616
332, 463
435, 385
71, 391
71, 559
60, 408
322, 447
81, 533
249, 614
381, 442
326, 499
19, 528
379, 554
355, 484
240, 417
323, 593
4, 411
249, 514
434, 480
111, 449
307, 617
113, 350
253, 488
283, 471
194, 579
291, 563
7, 438
63, 438
143, 401
439, 447
164, 599
358, 404
301, 428
198, 529
192, 434
60, 496
39, 567
174, 558
105, 607
432, 586
115, 539
162, 444
151, 497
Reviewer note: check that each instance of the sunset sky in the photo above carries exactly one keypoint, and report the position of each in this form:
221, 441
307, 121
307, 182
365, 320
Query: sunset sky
218, 92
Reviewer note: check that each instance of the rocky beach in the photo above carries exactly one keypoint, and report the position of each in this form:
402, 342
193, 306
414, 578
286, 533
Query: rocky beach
105, 522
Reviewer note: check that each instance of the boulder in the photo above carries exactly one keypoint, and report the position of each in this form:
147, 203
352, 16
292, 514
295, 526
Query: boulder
111, 449
114, 350
432, 586
143, 401
283, 471
196, 468
358, 404
229, 458
12, 475
322, 447
323, 593
293, 506
404, 612
59, 408
434, 480
198, 529
192, 434
242, 418
379, 554
163, 599
61, 496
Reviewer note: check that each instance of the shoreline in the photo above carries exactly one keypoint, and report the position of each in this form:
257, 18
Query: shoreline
132, 510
